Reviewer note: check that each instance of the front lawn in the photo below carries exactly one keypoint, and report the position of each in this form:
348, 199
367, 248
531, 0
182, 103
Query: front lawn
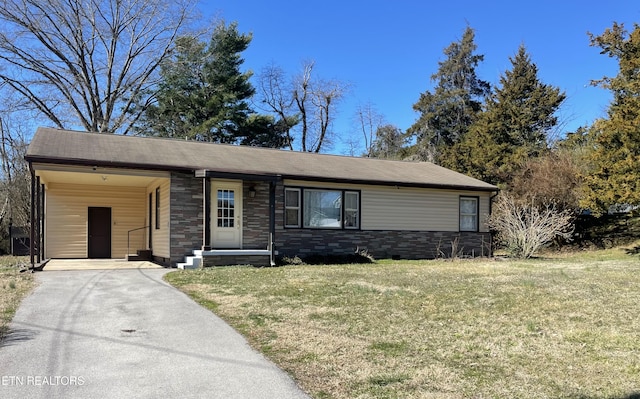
564, 327
13, 287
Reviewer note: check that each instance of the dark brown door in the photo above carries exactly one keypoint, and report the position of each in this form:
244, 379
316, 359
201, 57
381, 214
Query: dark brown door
99, 232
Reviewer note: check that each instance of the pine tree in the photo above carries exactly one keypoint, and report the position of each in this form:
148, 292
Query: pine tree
389, 143
514, 127
204, 96
448, 112
615, 159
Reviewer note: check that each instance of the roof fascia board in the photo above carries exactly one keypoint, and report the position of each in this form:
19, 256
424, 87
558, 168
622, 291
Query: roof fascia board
88, 162
102, 170
234, 175
392, 184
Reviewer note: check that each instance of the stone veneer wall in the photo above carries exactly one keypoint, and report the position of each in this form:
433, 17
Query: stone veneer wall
255, 216
382, 244
254, 260
186, 198
379, 243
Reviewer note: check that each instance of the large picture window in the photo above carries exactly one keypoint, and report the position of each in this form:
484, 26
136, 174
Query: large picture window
323, 209
315, 208
468, 213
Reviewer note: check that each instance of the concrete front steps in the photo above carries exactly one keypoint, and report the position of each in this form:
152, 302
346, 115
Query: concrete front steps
191, 262
227, 257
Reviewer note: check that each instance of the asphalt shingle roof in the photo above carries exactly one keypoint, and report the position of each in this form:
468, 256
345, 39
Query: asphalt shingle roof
81, 148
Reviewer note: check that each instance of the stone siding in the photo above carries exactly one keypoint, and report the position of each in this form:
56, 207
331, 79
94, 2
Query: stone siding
186, 215
380, 244
254, 260
255, 216
396, 244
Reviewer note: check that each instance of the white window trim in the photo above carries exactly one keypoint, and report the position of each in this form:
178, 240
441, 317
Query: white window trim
305, 196
356, 209
300, 208
297, 208
475, 214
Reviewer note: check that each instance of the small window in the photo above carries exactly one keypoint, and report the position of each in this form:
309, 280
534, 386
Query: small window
468, 214
292, 207
351, 209
158, 208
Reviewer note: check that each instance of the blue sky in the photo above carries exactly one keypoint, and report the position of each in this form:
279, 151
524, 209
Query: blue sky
388, 50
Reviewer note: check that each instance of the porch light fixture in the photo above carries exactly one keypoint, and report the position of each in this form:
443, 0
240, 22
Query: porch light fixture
252, 192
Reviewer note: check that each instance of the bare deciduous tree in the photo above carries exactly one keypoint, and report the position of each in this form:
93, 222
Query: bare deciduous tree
84, 62
552, 178
305, 102
524, 228
15, 179
368, 120
275, 93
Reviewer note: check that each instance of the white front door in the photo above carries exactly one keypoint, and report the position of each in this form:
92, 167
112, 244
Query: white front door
226, 221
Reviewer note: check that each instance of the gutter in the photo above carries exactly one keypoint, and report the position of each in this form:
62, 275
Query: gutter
491, 201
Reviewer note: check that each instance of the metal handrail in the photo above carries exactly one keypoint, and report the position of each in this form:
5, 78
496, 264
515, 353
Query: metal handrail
129, 237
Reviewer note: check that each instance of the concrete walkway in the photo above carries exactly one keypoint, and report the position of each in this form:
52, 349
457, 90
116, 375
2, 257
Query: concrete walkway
97, 264
128, 334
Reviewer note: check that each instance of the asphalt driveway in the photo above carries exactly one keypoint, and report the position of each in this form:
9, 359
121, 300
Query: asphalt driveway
128, 334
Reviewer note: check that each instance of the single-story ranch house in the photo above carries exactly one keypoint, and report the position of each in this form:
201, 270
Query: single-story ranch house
186, 203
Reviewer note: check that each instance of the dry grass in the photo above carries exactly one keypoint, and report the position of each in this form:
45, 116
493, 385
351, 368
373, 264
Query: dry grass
565, 327
13, 287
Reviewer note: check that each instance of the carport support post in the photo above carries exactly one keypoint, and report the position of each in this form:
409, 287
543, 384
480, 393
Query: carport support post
206, 206
272, 221
43, 255
32, 236
38, 217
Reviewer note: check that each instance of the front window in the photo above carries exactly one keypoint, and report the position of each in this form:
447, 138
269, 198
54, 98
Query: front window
468, 214
322, 209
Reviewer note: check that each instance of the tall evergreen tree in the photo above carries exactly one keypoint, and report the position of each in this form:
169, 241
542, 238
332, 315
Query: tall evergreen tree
203, 95
615, 159
448, 112
389, 143
514, 127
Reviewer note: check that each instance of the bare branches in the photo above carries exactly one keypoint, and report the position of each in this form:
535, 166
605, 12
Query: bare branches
525, 228
85, 62
276, 98
305, 102
369, 120
14, 175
